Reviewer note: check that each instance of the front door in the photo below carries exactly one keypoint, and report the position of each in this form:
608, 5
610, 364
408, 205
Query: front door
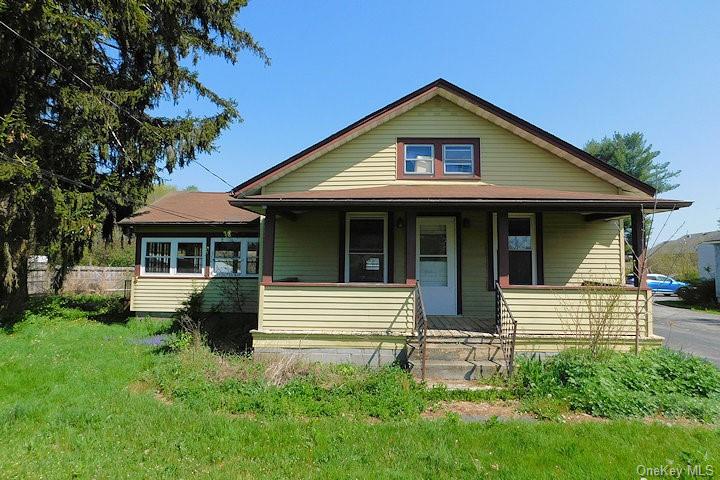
437, 264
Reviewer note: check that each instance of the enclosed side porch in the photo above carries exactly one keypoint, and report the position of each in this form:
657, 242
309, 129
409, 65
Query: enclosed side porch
350, 272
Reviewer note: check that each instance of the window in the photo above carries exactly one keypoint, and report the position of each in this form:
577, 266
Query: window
438, 158
233, 257
419, 159
458, 159
521, 248
366, 247
173, 256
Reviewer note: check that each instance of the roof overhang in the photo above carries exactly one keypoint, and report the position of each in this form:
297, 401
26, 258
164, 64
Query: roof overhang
464, 99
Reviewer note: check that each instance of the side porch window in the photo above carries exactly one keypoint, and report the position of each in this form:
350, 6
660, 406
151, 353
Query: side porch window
173, 256
366, 245
522, 248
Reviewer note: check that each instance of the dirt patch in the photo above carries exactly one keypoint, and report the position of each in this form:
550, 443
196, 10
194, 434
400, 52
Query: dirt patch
162, 398
478, 411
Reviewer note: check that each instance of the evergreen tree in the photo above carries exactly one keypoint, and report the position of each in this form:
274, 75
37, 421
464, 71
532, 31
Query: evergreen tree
80, 147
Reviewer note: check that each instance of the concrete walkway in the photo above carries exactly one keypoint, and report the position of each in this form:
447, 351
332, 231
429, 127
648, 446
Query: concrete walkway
689, 330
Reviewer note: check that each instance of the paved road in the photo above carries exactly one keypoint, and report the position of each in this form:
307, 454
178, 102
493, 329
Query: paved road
688, 330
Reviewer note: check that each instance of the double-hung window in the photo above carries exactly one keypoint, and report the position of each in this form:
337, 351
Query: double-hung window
366, 247
458, 159
173, 256
234, 257
419, 159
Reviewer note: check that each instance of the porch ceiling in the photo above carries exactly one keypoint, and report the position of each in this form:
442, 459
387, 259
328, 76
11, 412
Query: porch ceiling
459, 195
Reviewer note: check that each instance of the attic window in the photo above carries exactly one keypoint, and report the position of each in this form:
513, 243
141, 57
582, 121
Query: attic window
438, 158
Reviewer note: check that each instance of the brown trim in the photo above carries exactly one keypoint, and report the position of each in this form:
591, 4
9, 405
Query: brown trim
268, 247
391, 247
637, 224
490, 253
539, 249
475, 100
342, 218
571, 287
410, 247
438, 165
207, 255
138, 253
621, 207
199, 234
503, 249
339, 284
458, 261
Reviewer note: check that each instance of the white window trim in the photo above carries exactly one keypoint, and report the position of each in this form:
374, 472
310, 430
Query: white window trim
432, 159
472, 158
243, 256
367, 215
533, 239
173, 256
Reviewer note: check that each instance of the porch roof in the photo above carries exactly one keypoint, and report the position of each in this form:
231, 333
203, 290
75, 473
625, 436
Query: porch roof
453, 195
181, 208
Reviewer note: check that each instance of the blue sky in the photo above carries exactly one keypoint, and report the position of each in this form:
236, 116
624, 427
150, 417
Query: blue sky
580, 70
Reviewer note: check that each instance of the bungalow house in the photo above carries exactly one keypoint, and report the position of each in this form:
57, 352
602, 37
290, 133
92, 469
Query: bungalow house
440, 230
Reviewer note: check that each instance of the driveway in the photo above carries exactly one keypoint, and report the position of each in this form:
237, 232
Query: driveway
688, 330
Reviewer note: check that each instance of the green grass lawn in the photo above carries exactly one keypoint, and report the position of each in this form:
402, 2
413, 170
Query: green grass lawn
75, 401
682, 304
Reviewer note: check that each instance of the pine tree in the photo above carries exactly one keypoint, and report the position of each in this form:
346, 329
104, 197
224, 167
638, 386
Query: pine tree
79, 145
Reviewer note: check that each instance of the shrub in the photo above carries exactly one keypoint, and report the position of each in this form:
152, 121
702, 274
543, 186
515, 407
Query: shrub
701, 293
621, 384
192, 316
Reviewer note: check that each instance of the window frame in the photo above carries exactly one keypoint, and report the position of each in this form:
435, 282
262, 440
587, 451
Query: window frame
244, 241
533, 241
433, 158
438, 171
367, 216
472, 159
173, 256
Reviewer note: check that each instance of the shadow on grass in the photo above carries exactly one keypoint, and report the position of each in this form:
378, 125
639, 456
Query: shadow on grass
223, 333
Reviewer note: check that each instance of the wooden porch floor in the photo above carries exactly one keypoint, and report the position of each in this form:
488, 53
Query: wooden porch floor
460, 326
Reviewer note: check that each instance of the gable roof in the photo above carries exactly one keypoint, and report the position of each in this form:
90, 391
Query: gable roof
210, 208
467, 100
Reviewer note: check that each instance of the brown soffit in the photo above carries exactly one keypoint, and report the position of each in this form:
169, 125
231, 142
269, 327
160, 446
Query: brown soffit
440, 83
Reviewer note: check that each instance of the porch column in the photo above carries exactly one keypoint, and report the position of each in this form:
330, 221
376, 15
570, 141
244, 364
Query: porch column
503, 254
638, 245
410, 277
268, 246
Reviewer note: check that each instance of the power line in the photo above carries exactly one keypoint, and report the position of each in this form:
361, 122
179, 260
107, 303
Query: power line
104, 97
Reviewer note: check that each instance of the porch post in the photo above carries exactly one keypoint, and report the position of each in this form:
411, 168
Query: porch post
410, 246
503, 251
268, 246
638, 245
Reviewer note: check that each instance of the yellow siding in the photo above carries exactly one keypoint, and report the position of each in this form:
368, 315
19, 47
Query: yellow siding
399, 254
279, 340
166, 294
337, 309
476, 298
307, 248
567, 311
506, 159
577, 250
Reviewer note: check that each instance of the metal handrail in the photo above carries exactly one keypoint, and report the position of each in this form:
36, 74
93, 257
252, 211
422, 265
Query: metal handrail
421, 327
506, 327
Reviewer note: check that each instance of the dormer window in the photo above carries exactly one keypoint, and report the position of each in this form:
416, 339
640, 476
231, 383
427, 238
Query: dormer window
419, 159
438, 158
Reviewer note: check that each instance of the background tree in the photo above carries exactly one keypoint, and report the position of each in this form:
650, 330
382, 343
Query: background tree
633, 155
80, 147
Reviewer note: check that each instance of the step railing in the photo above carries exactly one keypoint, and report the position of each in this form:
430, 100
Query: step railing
421, 329
506, 327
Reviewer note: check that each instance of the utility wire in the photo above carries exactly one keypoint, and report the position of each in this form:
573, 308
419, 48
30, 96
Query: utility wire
104, 97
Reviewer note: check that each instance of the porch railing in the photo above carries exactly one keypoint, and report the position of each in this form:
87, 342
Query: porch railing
421, 329
506, 327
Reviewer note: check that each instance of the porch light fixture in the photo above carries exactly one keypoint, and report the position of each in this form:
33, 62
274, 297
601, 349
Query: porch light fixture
400, 223
466, 222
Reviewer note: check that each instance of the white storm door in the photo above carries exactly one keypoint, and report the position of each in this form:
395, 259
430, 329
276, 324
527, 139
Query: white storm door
437, 264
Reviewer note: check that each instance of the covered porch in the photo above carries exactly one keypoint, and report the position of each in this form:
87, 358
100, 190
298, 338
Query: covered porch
350, 263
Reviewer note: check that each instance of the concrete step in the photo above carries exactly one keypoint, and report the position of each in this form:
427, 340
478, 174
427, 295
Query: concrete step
458, 369
458, 352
